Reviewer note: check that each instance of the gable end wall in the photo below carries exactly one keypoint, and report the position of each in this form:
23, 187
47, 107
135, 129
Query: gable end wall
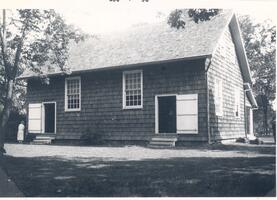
225, 66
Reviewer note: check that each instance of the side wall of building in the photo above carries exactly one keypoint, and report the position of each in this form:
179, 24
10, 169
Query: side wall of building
225, 67
101, 108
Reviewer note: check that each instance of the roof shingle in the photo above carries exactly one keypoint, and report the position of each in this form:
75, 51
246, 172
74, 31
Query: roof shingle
148, 43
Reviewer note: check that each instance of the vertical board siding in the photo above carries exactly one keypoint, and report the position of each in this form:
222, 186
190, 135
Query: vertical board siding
225, 66
101, 109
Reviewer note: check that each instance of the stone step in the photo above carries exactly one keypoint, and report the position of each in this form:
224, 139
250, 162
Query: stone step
40, 141
166, 139
159, 145
166, 143
163, 140
45, 137
166, 135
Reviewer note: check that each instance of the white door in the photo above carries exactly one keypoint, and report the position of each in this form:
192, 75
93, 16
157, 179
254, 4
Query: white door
187, 114
34, 118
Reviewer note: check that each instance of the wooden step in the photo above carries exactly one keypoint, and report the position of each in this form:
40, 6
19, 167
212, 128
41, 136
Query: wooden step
163, 141
167, 135
40, 141
161, 145
45, 137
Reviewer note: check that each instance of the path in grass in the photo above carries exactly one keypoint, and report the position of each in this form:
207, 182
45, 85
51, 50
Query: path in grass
136, 171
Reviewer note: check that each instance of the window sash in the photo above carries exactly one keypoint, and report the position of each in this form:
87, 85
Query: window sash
73, 94
132, 89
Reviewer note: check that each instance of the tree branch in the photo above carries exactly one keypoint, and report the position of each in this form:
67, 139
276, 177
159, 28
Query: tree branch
3, 41
18, 52
21, 84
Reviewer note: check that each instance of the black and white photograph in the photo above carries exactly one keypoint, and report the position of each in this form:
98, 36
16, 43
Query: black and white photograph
138, 98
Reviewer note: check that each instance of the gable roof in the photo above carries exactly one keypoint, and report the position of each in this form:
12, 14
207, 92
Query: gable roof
238, 41
147, 43
152, 43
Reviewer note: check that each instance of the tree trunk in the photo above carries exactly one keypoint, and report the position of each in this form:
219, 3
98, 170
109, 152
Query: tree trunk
265, 113
265, 121
6, 113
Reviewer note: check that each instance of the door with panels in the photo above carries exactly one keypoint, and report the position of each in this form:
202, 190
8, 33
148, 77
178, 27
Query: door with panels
42, 117
187, 113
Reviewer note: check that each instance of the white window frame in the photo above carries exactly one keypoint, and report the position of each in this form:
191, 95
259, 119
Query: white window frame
124, 106
218, 94
237, 102
66, 98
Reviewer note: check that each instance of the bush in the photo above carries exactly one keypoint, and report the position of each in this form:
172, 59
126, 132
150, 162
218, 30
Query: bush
256, 141
92, 137
12, 125
241, 140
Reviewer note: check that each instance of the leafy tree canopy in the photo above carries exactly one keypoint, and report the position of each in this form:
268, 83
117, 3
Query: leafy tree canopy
176, 18
260, 45
259, 42
30, 39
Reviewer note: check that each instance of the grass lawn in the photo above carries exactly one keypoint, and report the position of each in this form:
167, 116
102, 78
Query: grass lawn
221, 171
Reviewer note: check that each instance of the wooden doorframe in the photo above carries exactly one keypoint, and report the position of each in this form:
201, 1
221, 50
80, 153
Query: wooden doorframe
157, 109
43, 116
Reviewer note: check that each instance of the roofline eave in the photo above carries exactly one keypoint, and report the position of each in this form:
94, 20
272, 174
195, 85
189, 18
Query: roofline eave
237, 36
118, 67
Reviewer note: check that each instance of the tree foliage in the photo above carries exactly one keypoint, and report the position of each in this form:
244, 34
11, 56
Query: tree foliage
202, 14
177, 17
259, 42
30, 39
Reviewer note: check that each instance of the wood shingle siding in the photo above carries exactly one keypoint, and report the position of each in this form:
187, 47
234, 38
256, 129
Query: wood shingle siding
173, 63
101, 101
225, 66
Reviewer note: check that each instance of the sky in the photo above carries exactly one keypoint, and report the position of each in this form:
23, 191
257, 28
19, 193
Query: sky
102, 16
116, 16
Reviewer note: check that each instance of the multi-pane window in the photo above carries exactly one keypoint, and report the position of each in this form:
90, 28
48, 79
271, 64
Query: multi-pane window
218, 97
132, 89
237, 102
73, 94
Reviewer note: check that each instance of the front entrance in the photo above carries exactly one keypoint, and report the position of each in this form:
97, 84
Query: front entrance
49, 117
176, 113
167, 114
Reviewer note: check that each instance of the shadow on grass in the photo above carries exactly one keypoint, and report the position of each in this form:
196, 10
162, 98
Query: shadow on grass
93, 177
239, 147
